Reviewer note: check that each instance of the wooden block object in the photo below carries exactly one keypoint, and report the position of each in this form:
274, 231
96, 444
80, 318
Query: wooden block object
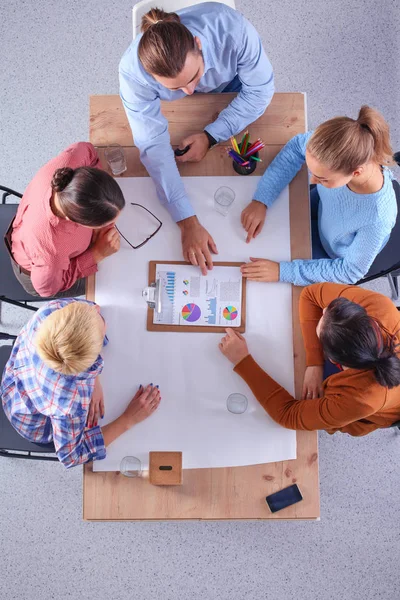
165, 468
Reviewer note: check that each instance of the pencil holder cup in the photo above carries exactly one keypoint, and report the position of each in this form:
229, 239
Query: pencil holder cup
248, 169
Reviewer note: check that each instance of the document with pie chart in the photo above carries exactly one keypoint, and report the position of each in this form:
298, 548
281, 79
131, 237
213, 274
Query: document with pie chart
191, 299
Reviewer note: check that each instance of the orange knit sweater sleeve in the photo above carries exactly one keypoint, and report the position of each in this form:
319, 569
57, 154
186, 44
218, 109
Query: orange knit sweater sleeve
336, 409
350, 396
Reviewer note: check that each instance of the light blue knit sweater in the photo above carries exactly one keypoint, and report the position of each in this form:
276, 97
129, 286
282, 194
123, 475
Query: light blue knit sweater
353, 228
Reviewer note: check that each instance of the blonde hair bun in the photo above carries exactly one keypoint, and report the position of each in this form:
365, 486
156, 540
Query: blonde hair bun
70, 340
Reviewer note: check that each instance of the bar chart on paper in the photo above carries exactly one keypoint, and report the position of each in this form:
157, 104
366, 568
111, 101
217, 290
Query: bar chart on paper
211, 317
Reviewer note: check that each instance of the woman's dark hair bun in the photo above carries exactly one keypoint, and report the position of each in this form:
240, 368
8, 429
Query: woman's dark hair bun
387, 370
61, 178
354, 339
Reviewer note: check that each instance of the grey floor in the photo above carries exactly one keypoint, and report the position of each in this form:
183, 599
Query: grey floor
53, 55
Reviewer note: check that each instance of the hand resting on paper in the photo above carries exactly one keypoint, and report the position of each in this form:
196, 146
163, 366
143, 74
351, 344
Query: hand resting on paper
261, 269
143, 404
253, 219
234, 346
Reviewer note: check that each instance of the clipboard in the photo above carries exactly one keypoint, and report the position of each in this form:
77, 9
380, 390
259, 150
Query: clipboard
192, 328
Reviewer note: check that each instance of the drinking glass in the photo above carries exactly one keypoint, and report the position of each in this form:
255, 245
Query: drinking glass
223, 199
115, 158
130, 466
237, 404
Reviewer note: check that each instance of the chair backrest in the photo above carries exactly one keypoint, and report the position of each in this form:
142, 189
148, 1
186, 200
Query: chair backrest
12, 445
388, 259
141, 8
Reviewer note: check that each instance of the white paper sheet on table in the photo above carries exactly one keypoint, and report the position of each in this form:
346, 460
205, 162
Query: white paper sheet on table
190, 298
194, 378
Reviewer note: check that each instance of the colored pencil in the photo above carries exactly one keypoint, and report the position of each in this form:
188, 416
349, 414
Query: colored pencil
241, 144
235, 145
247, 143
255, 158
254, 150
237, 158
242, 162
254, 144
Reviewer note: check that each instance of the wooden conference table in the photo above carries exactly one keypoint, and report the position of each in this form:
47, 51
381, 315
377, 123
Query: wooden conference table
224, 493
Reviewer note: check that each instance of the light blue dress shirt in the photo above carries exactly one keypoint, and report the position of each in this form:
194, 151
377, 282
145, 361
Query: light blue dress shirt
231, 46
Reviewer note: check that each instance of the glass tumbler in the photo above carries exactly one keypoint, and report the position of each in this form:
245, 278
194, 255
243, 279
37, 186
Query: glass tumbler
223, 199
237, 404
115, 158
131, 466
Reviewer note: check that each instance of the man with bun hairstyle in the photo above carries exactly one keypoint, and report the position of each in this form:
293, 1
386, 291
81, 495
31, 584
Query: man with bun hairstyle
208, 47
50, 388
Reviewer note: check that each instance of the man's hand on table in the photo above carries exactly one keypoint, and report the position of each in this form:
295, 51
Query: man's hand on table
261, 269
197, 244
199, 146
253, 219
96, 406
312, 385
143, 404
234, 346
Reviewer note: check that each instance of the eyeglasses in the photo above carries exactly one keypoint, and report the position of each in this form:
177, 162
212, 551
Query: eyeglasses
135, 247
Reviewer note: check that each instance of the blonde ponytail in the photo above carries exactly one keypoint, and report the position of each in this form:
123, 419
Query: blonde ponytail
344, 144
70, 340
371, 120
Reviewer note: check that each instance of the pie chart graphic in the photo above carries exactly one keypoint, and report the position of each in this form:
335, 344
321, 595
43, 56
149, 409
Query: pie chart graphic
191, 312
230, 313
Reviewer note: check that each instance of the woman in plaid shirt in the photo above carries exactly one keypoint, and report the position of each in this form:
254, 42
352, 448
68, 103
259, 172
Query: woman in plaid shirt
50, 388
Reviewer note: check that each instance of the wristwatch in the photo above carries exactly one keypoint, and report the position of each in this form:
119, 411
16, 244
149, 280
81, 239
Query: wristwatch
211, 141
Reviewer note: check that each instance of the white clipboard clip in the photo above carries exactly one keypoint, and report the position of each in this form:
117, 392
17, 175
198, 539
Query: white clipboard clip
152, 294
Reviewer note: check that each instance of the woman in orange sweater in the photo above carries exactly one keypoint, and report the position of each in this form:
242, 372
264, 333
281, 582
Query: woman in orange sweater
354, 329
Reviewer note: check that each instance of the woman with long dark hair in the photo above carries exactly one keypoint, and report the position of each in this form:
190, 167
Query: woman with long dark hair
355, 331
65, 224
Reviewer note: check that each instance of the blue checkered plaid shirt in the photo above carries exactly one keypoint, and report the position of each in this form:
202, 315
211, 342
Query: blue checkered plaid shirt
45, 406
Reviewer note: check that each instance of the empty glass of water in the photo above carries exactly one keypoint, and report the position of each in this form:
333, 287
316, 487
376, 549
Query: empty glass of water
115, 158
131, 466
223, 199
237, 404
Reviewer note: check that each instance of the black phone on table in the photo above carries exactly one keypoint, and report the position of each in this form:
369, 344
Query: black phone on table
179, 152
284, 498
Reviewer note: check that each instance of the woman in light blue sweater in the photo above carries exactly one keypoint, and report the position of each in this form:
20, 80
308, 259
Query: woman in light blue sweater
353, 206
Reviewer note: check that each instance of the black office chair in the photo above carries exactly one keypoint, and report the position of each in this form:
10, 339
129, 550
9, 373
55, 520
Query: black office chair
13, 445
11, 290
387, 263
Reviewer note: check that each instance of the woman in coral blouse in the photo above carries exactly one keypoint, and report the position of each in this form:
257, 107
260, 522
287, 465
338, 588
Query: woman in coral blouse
65, 224
355, 330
